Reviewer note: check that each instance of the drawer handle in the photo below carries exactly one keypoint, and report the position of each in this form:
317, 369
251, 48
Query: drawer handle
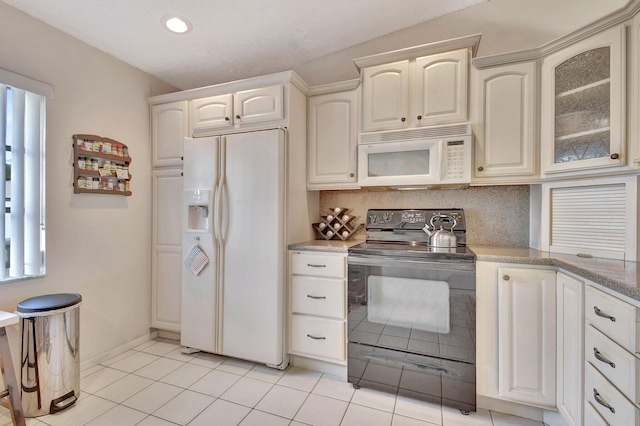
601, 357
601, 401
316, 297
602, 314
314, 265
316, 337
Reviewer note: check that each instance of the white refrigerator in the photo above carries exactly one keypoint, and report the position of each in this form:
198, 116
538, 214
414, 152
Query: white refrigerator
233, 245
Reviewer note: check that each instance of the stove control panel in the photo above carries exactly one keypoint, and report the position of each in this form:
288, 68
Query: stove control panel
414, 219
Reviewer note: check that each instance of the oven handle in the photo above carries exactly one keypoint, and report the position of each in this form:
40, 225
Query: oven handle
403, 263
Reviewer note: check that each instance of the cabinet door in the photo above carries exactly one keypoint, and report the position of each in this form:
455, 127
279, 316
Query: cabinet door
440, 88
211, 113
583, 104
166, 277
527, 336
506, 122
385, 96
332, 141
169, 126
259, 105
635, 87
570, 293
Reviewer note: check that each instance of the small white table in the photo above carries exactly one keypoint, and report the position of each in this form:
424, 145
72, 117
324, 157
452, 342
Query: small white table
8, 373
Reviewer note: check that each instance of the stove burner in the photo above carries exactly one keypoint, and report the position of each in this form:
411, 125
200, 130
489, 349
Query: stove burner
398, 233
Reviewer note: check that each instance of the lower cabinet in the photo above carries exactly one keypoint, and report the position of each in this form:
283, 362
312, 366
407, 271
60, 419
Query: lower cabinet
527, 336
570, 329
166, 262
612, 366
516, 328
318, 306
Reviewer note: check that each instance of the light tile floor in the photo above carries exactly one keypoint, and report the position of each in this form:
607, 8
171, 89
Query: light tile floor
156, 385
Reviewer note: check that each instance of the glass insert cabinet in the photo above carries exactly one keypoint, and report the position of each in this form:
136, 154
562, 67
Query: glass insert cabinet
583, 104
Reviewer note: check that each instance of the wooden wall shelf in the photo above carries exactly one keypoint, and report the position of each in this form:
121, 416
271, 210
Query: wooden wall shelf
100, 166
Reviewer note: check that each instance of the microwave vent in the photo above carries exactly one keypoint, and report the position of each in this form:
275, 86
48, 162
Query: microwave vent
436, 132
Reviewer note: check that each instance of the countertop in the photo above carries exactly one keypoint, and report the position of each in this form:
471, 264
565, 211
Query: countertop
622, 278
335, 246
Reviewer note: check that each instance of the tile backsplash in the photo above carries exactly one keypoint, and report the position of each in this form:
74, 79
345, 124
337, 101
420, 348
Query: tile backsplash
496, 215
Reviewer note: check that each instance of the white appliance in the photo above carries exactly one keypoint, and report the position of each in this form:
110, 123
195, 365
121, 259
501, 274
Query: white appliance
233, 224
438, 156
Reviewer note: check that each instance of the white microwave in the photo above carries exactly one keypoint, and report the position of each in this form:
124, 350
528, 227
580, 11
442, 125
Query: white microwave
438, 156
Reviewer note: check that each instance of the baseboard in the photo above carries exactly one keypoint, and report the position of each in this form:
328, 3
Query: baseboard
115, 351
163, 334
320, 366
507, 407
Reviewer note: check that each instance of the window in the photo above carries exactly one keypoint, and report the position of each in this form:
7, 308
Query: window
22, 165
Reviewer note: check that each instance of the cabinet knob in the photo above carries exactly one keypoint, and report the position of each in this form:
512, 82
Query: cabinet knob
238, 116
480, 168
227, 119
403, 119
419, 117
615, 156
506, 277
181, 158
181, 174
351, 175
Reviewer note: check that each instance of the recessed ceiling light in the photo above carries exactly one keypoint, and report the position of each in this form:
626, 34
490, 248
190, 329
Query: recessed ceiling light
176, 24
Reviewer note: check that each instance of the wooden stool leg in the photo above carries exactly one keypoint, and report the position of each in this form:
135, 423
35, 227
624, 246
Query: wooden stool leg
9, 376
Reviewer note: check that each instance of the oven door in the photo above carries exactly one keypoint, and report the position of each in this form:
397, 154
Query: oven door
412, 327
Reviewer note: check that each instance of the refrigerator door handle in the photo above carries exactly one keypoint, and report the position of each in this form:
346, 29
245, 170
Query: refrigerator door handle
219, 192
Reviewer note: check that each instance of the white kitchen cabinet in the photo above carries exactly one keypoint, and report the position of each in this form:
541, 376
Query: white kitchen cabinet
612, 366
215, 114
634, 93
437, 93
166, 263
318, 306
516, 344
385, 96
570, 329
440, 88
583, 104
506, 123
169, 126
332, 140
259, 105
527, 336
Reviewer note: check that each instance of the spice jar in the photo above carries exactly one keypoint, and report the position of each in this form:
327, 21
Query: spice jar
82, 182
94, 164
81, 163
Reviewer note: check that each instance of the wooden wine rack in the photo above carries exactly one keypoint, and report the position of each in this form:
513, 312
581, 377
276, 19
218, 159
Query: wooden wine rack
337, 225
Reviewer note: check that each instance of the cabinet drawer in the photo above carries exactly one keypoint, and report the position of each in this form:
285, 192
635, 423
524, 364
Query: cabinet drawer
615, 363
598, 391
318, 337
592, 417
320, 265
613, 317
318, 296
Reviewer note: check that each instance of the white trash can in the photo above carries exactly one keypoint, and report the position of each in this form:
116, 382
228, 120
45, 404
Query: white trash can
50, 355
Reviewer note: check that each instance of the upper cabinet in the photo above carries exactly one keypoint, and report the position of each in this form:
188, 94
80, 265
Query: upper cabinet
583, 104
505, 101
385, 96
332, 140
420, 86
213, 114
635, 88
437, 94
169, 126
440, 82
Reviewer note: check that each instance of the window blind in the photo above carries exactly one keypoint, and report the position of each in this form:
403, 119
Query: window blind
22, 118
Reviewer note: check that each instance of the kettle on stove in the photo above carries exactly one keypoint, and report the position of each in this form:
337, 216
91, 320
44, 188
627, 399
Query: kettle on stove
441, 237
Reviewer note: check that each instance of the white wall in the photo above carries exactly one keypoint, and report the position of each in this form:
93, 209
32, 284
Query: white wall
97, 245
505, 25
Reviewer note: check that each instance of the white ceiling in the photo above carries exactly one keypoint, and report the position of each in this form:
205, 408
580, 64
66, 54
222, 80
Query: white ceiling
232, 39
